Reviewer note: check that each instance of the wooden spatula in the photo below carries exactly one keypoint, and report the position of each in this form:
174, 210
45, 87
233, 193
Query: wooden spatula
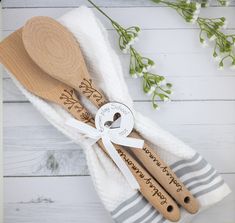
35, 80
57, 52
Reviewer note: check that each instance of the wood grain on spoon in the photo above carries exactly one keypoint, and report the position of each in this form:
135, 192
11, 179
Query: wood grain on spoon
35, 80
57, 52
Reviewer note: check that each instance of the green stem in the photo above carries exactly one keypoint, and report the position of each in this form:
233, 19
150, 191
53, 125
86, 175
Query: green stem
100, 10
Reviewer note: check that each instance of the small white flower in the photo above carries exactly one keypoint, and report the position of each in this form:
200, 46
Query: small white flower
192, 21
131, 42
134, 76
188, 1
153, 66
227, 3
204, 43
136, 39
151, 90
198, 5
140, 74
221, 67
166, 99
195, 17
225, 24
232, 67
212, 38
125, 50
162, 83
217, 58
197, 12
127, 47
149, 67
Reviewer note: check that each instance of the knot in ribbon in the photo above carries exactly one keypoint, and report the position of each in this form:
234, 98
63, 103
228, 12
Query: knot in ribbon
109, 137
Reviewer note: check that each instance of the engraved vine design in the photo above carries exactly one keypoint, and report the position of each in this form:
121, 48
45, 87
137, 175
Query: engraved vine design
69, 100
89, 91
86, 117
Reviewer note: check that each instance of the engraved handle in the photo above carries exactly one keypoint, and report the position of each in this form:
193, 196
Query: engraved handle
149, 188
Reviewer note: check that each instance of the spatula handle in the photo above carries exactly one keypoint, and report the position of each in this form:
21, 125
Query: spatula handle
149, 188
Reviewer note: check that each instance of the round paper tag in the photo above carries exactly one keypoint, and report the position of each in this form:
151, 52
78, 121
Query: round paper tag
115, 117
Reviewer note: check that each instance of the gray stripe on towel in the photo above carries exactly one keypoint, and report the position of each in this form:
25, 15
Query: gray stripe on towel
198, 194
207, 190
204, 182
187, 168
193, 168
131, 211
180, 162
125, 203
154, 216
143, 217
161, 220
200, 177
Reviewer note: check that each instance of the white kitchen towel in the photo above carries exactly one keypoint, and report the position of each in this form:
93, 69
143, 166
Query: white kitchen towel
124, 203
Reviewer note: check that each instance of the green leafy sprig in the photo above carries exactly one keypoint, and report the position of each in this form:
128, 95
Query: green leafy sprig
153, 84
224, 2
188, 10
223, 44
206, 3
210, 28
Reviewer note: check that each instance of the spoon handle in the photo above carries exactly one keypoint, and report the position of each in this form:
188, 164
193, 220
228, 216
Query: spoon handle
149, 188
149, 158
165, 176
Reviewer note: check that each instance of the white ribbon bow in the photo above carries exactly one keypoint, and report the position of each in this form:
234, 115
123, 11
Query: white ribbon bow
107, 137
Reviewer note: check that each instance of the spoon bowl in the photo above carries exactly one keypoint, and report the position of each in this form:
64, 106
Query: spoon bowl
54, 50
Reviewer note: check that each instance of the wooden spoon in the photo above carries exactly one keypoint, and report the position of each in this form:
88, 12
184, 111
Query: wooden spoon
57, 52
35, 80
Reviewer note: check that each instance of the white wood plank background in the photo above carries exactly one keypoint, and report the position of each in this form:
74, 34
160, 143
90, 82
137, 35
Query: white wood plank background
46, 177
